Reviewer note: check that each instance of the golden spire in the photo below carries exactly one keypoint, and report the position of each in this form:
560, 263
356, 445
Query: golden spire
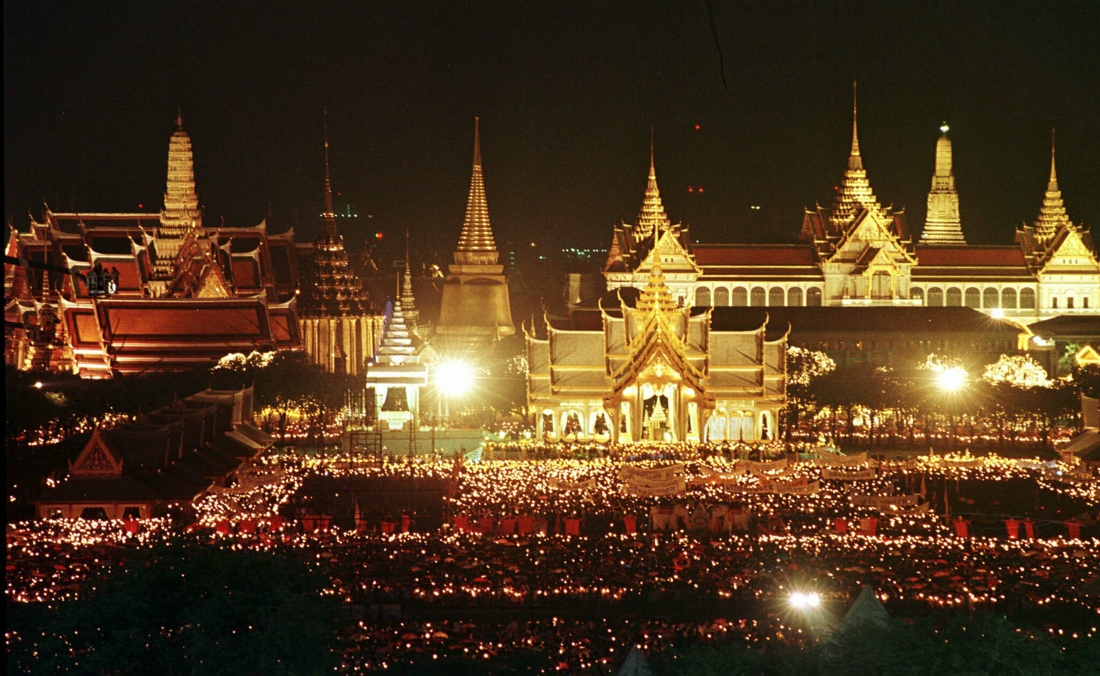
1052, 215
655, 297
855, 162
475, 244
329, 227
942, 225
652, 219
407, 298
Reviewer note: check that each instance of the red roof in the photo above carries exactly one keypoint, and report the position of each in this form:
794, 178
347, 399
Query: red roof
754, 254
971, 256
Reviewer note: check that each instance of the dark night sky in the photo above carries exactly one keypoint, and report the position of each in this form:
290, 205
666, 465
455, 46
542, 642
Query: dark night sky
566, 93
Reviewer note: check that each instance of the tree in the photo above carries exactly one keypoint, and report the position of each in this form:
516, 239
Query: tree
803, 367
1018, 370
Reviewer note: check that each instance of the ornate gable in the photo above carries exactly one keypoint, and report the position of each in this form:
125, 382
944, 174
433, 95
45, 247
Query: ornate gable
870, 232
670, 255
1071, 252
97, 458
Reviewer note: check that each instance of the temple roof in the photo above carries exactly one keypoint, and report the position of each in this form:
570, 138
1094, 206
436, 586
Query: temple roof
476, 245
652, 217
1052, 215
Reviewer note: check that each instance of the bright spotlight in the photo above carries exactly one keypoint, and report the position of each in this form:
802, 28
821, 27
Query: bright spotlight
803, 601
454, 378
997, 313
38, 385
951, 379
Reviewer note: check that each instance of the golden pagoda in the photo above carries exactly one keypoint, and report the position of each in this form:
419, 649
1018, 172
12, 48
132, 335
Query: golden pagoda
942, 225
337, 324
475, 309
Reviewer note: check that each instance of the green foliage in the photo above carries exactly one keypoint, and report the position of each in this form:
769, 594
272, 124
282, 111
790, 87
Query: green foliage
1087, 380
1067, 362
185, 611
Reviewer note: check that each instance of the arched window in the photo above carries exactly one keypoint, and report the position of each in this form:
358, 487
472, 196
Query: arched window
973, 298
1027, 299
813, 296
794, 296
740, 297
954, 297
935, 297
702, 296
991, 299
917, 294
775, 296
1008, 299
759, 297
721, 297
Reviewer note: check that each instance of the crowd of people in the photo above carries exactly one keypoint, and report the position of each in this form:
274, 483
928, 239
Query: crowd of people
561, 561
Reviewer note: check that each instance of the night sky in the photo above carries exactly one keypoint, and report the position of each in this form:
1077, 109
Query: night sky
566, 93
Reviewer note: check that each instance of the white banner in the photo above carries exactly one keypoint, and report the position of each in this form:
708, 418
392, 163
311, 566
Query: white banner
830, 460
844, 475
573, 485
762, 466
786, 488
650, 489
710, 472
627, 472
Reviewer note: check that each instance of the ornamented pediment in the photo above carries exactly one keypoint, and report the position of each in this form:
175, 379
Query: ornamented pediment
670, 255
869, 231
1071, 251
96, 459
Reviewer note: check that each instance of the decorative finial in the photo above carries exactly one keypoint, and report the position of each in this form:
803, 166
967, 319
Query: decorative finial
652, 168
1053, 173
855, 114
329, 212
944, 128
477, 141
179, 116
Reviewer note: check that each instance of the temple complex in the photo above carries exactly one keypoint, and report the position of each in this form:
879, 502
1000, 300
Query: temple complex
186, 294
475, 309
858, 253
339, 329
655, 370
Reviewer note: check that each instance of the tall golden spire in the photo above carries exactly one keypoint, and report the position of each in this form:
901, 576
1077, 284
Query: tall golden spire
942, 225
329, 226
476, 245
855, 162
408, 301
652, 219
855, 191
1052, 215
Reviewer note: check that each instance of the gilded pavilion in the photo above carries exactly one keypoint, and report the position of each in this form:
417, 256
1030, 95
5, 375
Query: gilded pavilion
858, 253
339, 329
187, 294
475, 310
655, 370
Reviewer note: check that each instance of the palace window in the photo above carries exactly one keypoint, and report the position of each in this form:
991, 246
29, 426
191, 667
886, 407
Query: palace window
1027, 299
990, 298
973, 298
759, 297
775, 296
1069, 303
702, 296
813, 297
1008, 299
740, 297
1054, 302
954, 297
721, 297
935, 297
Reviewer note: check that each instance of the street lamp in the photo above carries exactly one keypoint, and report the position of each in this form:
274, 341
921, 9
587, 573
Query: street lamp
951, 379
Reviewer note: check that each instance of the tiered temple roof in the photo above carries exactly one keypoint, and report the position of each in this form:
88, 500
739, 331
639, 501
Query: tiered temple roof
476, 245
942, 225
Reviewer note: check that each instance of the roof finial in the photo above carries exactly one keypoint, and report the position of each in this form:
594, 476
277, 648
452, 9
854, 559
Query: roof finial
652, 168
330, 214
1053, 173
477, 141
854, 160
179, 116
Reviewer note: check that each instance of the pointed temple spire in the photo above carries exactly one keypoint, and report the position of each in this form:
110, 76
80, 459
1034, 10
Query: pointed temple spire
855, 162
179, 116
329, 226
1052, 215
180, 215
855, 192
476, 245
942, 225
397, 342
656, 295
408, 301
652, 219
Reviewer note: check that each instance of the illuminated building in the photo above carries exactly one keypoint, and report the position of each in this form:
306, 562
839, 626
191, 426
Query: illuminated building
475, 310
656, 370
167, 457
339, 330
860, 254
187, 294
396, 374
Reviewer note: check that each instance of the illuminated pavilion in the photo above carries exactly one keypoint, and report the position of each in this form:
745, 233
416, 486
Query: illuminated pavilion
653, 369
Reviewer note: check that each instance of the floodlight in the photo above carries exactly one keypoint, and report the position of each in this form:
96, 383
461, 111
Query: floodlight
951, 379
454, 378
